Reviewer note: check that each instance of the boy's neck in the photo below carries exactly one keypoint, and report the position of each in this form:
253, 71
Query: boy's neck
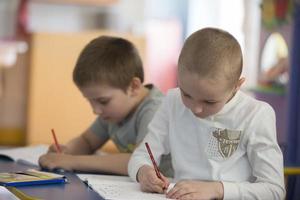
142, 94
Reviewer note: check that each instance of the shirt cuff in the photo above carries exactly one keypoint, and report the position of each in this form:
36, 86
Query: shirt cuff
231, 191
133, 168
132, 171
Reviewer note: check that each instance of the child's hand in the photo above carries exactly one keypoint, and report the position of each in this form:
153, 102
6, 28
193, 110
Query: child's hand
196, 190
54, 161
63, 148
149, 180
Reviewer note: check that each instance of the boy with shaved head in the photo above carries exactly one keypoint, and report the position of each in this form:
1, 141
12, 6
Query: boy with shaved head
223, 142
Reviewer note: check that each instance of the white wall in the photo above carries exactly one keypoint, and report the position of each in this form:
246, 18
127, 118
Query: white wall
239, 17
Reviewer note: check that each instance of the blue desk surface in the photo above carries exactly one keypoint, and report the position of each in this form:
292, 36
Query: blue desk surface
74, 190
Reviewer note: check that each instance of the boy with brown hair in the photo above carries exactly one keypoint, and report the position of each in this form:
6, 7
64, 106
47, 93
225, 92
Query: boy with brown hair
109, 74
223, 142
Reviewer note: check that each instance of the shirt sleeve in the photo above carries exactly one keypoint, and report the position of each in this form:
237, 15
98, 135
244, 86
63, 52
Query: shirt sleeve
266, 160
157, 140
143, 120
100, 129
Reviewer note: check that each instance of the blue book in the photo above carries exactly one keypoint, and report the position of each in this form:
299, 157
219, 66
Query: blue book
30, 177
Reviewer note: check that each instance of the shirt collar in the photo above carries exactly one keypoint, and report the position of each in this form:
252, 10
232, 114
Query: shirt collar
229, 105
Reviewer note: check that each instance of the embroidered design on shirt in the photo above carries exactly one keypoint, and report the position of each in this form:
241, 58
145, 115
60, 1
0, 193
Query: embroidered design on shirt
228, 141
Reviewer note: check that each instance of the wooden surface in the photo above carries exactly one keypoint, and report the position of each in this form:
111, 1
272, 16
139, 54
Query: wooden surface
54, 101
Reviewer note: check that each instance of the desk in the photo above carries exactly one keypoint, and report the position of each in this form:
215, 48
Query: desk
74, 190
291, 171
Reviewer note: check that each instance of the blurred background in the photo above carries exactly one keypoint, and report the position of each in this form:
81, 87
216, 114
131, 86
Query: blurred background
41, 39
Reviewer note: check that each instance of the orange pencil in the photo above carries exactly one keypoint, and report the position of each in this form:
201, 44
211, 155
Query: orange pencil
55, 141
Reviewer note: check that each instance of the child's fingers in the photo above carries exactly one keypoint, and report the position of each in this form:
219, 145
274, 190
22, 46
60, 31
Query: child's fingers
150, 182
166, 182
151, 188
44, 163
161, 184
155, 188
155, 184
174, 193
158, 189
42, 160
52, 148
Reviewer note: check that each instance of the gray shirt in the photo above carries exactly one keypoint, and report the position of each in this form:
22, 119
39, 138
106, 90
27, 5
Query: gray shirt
132, 130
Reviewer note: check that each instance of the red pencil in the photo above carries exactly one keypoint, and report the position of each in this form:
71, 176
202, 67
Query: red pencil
153, 161
55, 141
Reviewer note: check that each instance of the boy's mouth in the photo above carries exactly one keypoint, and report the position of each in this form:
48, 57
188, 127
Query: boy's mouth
200, 115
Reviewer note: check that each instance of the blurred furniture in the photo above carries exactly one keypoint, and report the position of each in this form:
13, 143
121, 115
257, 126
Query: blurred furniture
277, 98
291, 171
275, 41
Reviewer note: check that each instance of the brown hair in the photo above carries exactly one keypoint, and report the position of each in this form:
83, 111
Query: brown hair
108, 60
212, 53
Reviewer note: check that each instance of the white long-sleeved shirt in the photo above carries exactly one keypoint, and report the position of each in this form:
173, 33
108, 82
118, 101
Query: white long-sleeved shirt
237, 146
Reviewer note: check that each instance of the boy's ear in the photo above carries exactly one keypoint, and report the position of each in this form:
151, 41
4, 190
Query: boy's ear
240, 83
135, 86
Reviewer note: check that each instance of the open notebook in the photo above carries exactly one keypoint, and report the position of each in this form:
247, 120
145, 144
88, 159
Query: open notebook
118, 188
28, 155
5, 194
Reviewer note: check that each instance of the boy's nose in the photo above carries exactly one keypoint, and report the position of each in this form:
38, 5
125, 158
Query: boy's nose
197, 109
97, 110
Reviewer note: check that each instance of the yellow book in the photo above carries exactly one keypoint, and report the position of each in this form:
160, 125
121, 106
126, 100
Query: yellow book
30, 177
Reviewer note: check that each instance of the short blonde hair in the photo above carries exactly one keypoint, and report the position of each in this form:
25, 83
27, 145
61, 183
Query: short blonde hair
212, 53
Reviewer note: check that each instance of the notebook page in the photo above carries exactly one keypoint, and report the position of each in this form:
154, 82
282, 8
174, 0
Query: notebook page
5, 194
28, 154
119, 188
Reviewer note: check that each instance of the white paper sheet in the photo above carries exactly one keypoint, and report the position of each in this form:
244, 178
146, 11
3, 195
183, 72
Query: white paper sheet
118, 188
29, 155
5, 194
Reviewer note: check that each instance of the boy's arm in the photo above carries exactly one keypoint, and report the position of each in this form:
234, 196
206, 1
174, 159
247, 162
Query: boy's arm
157, 139
86, 143
112, 163
266, 161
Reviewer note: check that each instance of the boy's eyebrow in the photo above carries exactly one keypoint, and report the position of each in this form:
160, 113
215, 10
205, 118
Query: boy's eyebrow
209, 100
101, 98
183, 91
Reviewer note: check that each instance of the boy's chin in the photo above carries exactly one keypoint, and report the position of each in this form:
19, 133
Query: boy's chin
111, 120
202, 116
107, 119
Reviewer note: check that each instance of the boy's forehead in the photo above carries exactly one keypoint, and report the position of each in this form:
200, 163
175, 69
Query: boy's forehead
99, 90
196, 85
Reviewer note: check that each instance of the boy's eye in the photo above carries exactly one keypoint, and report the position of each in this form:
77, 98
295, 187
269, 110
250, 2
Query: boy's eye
103, 102
210, 102
186, 95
